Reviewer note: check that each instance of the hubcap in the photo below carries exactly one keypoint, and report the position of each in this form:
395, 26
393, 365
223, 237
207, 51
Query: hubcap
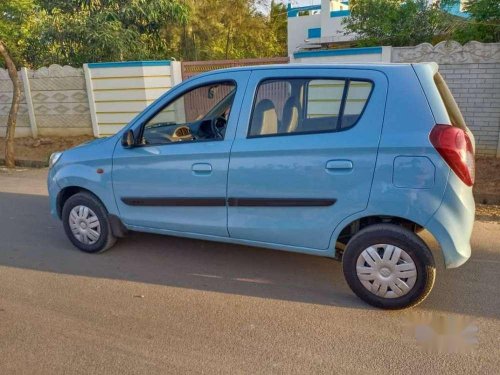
85, 225
386, 270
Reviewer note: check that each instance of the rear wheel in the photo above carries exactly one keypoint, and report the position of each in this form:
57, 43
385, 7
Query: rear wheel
389, 267
86, 223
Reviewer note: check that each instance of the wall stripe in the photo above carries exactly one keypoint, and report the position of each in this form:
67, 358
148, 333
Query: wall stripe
294, 12
340, 13
339, 52
133, 88
123, 64
132, 77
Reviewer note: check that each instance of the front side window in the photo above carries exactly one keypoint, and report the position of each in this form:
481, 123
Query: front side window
295, 106
201, 114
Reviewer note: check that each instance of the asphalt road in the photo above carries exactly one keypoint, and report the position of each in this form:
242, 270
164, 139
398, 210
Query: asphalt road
164, 305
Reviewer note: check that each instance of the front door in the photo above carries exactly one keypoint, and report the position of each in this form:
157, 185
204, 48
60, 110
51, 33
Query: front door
304, 154
175, 178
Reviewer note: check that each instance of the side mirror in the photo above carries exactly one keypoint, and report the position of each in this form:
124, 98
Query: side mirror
128, 139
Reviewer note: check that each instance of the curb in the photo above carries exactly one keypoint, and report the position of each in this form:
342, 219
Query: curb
23, 163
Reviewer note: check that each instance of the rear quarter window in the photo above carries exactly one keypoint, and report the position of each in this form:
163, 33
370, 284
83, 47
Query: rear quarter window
449, 102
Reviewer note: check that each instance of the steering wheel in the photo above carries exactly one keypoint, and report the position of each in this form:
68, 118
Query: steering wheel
218, 126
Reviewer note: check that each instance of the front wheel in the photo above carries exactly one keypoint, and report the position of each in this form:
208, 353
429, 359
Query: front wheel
389, 267
86, 223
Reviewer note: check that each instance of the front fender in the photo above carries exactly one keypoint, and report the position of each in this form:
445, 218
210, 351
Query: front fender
86, 176
88, 166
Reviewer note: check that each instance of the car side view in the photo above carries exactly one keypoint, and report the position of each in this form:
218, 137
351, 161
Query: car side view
343, 161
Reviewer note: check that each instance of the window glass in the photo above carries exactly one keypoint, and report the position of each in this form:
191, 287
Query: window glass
200, 114
357, 94
450, 104
324, 98
269, 109
307, 106
276, 91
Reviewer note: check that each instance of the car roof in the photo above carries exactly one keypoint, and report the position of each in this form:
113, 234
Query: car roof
377, 66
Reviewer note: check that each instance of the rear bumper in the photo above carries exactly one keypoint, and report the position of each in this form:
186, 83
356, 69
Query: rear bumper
453, 222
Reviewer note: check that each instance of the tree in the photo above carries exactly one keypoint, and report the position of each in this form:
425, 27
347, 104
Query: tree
12, 31
229, 29
75, 32
278, 22
396, 22
483, 24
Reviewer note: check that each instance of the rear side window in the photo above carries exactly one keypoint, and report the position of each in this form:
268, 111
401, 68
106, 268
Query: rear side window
450, 104
301, 106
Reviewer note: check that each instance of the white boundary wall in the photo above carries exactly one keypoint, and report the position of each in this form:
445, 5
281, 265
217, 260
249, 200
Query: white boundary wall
101, 98
118, 92
472, 72
96, 100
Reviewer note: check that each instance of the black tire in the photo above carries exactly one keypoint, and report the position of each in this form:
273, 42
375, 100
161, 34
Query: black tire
106, 238
404, 239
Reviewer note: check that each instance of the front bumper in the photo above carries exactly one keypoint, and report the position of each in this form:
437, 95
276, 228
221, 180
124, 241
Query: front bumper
54, 190
453, 222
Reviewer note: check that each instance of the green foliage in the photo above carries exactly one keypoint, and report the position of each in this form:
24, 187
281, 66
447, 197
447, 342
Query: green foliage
484, 22
229, 29
14, 25
278, 22
73, 32
396, 23
407, 23
78, 31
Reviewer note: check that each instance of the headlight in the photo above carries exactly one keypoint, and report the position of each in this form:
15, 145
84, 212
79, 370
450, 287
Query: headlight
54, 158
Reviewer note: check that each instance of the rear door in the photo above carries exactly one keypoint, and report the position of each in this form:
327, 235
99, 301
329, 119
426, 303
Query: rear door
304, 153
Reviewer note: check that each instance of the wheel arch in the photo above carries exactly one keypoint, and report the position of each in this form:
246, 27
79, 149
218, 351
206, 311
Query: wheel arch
68, 192
117, 226
349, 227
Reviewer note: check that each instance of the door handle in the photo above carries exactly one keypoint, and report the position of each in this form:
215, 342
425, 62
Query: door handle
201, 168
339, 165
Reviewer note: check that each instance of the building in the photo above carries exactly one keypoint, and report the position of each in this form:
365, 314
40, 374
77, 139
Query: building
320, 26
309, 27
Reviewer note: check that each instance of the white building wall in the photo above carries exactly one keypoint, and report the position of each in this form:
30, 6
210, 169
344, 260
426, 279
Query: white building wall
298, 28
333, 30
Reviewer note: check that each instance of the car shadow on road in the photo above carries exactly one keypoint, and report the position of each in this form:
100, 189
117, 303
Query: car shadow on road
31, 239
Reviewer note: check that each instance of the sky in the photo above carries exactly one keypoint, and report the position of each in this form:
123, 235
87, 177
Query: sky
302, 2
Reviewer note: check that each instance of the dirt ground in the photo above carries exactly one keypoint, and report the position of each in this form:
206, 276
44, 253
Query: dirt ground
486, 189
41, 148
487, 184
488, 212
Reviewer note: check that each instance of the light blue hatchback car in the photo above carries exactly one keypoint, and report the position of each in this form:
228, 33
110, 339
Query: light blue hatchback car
343, 161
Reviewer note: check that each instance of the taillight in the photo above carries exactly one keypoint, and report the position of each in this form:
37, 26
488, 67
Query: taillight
455, 146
